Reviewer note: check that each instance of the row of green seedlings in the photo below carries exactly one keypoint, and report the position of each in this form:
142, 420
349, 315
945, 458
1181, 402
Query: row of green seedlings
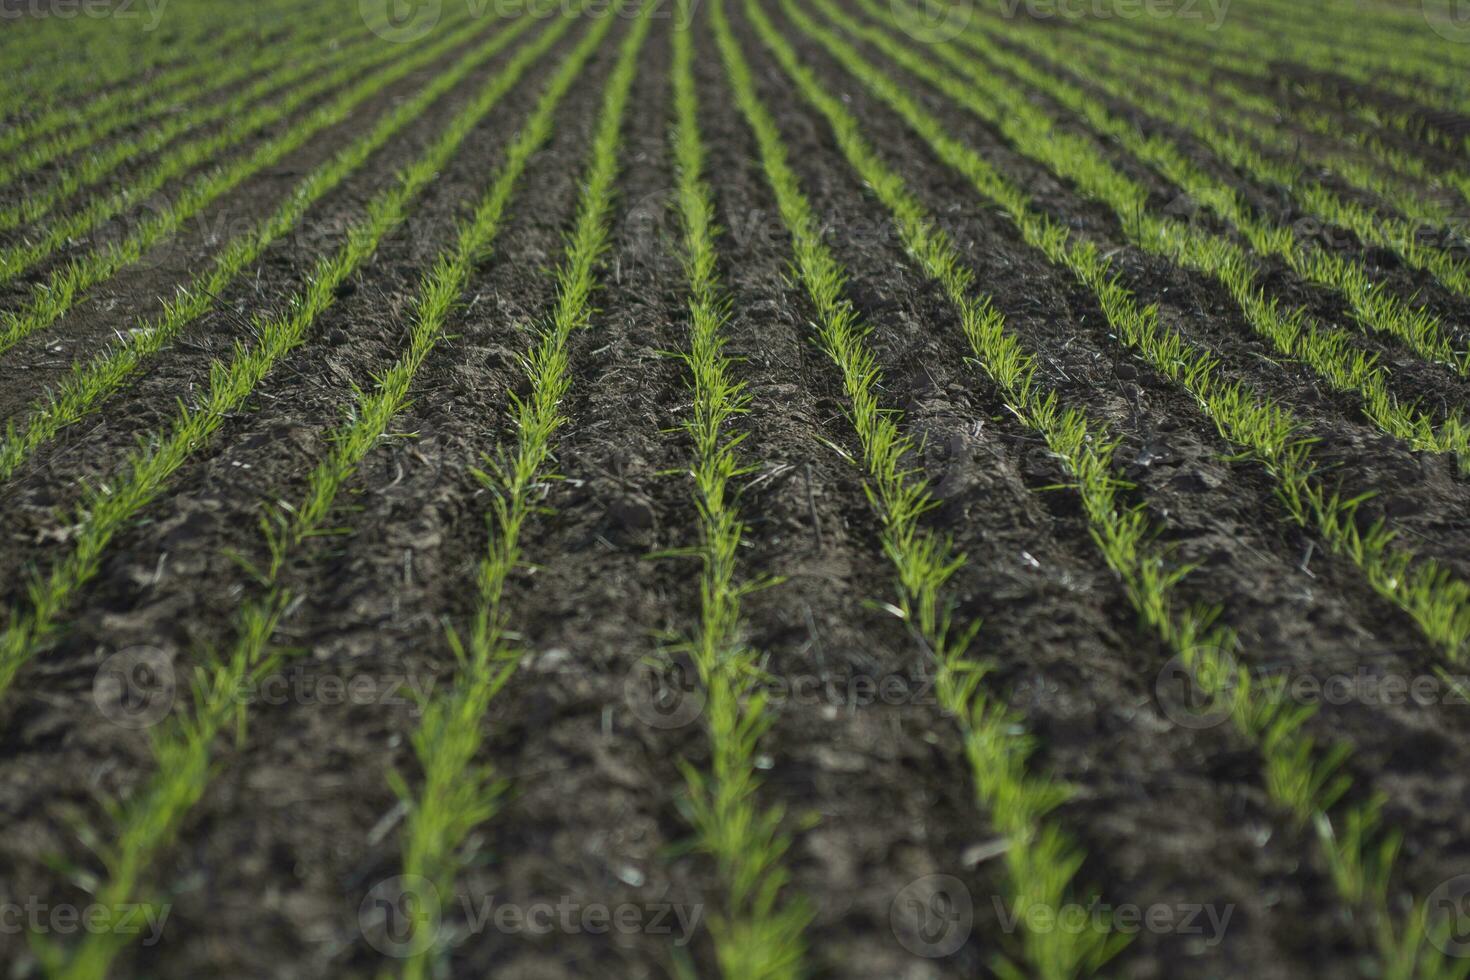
128, 74
1330, 352
1392, 66
1392, 28
1041, 861
1188, 110
124, 52
1305, 780
1377, 33
1256, 54
1370, 303
758, 936
1373, 36
108, 508
34, 152
458, 794
1403, 179
1201, 114
148, 823
1266, 430
37, 152
91, 381
67, 285
1414, 180
52, 100
19, 258
311, 56
1432, 596
1420, 92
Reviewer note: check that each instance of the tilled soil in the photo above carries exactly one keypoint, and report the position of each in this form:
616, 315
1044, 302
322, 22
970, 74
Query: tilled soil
299, 823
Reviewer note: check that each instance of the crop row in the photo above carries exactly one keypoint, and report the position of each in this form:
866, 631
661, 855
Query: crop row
1435, 599
308, 56
1305, 779
17, 259
760, 930
152, 815
1418, 76
91, 381
67, 285
53, 94
1233, 125
759, 933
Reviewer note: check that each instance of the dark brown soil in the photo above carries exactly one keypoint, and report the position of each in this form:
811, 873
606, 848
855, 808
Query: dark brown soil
299, 823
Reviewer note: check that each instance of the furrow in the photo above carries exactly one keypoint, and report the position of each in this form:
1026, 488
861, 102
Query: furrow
1304, 778
1041, 860
64, 287
760, 933
1328, 350
299, 64
17, 259
38, 153
148, 470
457, 792
93, 380
1437, 601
